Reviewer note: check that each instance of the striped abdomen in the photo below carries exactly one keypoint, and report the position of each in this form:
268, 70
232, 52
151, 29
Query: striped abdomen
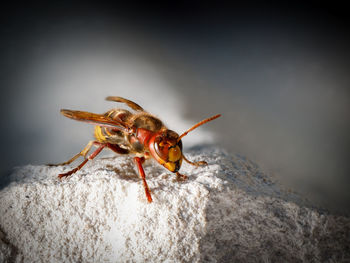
113, 136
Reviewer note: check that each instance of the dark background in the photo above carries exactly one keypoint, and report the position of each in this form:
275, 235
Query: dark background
279, 74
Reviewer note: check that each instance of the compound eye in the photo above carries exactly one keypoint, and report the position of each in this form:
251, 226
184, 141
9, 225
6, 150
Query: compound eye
168, 152
174, 153
162, 149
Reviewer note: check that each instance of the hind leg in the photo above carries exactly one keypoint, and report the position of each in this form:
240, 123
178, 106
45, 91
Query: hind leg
91, 156
83, 153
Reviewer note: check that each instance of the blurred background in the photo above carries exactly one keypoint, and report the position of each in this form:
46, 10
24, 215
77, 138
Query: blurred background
280, 76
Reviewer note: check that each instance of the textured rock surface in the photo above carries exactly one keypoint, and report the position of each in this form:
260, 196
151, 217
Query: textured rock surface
227, 211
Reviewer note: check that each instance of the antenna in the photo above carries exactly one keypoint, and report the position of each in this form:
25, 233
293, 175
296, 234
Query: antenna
197, 125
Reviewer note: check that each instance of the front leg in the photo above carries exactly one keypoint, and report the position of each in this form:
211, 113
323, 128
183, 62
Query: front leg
181, 177
139, 162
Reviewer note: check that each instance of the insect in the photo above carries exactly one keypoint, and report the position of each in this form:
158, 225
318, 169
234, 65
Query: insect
138, 133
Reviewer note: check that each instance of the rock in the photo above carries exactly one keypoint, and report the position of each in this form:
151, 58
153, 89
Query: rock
228, 211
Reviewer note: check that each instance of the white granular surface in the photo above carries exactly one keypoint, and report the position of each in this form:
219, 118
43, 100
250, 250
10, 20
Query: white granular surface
228, 211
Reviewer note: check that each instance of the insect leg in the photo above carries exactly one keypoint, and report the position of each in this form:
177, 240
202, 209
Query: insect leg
83, 153
91, 156
181, 177
139, 162
200, 163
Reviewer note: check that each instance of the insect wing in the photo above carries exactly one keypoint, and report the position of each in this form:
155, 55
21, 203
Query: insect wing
96, 119
130, 103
